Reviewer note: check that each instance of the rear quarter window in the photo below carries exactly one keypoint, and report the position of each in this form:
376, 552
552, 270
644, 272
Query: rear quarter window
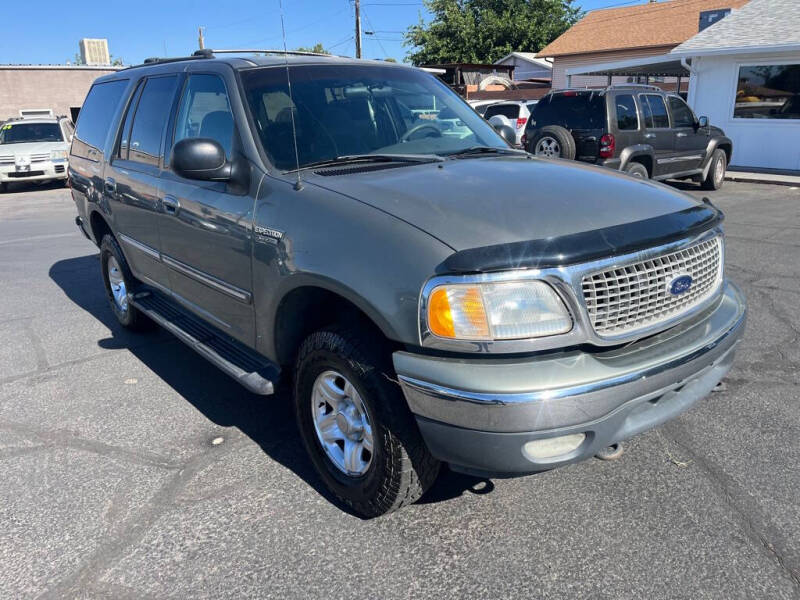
507, 110
94, 119
627, 118
571, 111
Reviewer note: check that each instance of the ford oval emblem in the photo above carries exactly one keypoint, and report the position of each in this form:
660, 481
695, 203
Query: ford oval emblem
680, 284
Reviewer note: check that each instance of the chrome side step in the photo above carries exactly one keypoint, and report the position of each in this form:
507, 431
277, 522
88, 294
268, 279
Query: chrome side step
255, 372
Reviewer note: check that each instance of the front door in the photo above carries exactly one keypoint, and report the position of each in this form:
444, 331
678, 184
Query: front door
132, 178
690, 139
657, 132
206, 227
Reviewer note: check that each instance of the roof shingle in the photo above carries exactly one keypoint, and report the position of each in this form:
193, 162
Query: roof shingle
666, 23
761, 23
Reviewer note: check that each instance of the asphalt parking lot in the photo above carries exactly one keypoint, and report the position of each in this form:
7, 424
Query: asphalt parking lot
131, 468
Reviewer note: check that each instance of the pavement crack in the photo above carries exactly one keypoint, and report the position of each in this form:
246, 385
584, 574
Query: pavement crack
128, 533
66, 439
742, 505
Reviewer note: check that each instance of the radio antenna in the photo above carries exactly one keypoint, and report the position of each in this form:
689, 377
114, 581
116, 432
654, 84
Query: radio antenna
298, 185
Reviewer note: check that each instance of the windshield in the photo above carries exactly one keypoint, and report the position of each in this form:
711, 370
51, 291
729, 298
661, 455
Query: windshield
20, 133
342, 110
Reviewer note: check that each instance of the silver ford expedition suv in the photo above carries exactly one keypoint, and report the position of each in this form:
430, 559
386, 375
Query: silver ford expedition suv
430, 297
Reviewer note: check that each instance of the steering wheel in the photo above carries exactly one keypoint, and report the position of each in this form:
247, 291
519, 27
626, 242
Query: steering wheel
407, 135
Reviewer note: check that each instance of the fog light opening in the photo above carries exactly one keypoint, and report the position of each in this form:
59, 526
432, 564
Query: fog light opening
553, 447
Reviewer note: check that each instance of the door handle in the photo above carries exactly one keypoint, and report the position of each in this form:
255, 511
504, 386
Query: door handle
171, 205
110, 186
649, 136
681, 134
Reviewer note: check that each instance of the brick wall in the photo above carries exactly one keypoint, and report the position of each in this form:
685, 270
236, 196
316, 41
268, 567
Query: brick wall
59, 88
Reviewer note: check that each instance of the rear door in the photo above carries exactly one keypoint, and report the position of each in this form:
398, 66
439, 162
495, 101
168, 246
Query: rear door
582, 113
206, 226
690, 140
132, 177
658, 133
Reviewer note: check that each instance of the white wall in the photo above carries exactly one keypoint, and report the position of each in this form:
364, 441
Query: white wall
526, 69
764, 143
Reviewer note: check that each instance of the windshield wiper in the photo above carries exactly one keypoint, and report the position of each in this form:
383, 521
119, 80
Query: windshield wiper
358, 158
478, 150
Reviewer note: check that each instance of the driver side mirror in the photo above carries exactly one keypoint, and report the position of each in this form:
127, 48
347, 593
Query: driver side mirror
201, 158
702, 122
506, 132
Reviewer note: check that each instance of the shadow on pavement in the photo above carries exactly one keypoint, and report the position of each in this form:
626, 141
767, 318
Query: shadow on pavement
268, 421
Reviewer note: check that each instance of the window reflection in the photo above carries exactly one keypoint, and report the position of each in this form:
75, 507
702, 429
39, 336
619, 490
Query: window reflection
768, 92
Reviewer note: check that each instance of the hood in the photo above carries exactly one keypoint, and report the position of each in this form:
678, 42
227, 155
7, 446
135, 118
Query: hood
28, 148
480, 202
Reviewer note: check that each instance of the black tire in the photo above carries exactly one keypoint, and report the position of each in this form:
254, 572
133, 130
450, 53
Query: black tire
636, 169
564, 142
130, 318
401, 469
716, 171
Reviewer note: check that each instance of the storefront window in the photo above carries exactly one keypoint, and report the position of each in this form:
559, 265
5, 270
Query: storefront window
768, 92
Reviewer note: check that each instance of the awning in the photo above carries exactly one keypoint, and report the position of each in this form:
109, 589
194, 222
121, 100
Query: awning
655, 66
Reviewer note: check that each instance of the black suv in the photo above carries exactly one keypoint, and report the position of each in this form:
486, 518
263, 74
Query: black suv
638, 129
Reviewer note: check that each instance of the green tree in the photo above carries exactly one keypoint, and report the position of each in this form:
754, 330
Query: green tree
318, 48
484, 31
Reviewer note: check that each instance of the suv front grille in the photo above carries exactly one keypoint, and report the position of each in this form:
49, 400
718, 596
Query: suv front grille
634, 297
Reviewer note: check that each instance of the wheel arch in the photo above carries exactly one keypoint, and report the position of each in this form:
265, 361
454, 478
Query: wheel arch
641, 153
99, 226
312, 304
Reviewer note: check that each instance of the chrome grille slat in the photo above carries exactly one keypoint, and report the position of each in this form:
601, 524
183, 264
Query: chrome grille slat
40, 157
628, 298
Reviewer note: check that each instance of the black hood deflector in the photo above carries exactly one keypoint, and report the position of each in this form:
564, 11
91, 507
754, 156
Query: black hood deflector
585, 246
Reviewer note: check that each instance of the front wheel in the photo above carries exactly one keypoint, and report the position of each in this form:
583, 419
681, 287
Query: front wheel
716, 174
356, 426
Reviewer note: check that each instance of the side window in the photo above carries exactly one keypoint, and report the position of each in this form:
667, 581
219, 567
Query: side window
682, 115
627, 118
95, 116
151, 116
655, 111
205, 111
122, 150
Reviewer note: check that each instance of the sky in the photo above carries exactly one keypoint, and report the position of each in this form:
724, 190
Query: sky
50, 34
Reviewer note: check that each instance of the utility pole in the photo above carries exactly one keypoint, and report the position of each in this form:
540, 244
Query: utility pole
200, 39
358, 28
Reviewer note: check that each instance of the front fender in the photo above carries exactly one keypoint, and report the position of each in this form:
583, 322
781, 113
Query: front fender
323, 239
714, 143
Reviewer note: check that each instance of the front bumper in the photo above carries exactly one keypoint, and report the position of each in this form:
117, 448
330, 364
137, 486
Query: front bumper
478, 414
39, 171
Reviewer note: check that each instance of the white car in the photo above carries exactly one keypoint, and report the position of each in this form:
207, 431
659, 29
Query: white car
516, 111
34, 149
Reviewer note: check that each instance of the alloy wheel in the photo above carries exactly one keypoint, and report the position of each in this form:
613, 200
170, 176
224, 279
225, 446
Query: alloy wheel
342, 423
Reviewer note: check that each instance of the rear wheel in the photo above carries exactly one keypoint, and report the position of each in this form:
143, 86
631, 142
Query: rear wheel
355, 424
119, 284
716, 173
637, 170
552, 142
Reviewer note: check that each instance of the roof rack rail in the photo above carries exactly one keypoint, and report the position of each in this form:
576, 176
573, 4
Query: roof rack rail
154, 60
209, 53
645, 86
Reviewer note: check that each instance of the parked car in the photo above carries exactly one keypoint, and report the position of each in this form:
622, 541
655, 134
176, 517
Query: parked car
423, 309
480, 106
517, 112
638, 129
34, 149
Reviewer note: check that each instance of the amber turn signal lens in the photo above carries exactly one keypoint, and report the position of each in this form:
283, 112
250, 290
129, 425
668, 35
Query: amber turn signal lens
457, 311
440, 319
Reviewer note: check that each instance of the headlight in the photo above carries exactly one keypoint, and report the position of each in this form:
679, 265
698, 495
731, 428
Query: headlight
496, 311
57, 154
